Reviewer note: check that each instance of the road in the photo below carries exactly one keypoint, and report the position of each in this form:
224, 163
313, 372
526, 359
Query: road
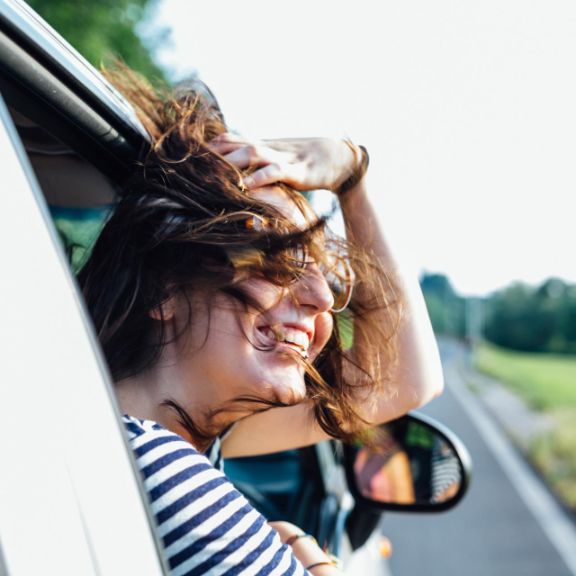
502, 528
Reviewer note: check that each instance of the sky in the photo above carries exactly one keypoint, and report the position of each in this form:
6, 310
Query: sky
468, 110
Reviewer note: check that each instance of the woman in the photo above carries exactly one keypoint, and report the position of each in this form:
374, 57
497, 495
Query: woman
213, 288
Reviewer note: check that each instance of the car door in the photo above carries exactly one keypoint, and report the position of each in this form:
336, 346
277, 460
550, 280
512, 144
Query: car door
70, 502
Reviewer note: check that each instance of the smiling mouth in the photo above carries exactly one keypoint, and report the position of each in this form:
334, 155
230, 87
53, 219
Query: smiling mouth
293, 338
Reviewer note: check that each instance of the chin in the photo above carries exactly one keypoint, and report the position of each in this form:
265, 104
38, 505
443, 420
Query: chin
289, 389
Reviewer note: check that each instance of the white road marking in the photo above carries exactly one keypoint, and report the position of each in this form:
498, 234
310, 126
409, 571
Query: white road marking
553, 520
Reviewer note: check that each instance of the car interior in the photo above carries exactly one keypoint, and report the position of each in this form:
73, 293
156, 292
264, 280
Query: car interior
78, 194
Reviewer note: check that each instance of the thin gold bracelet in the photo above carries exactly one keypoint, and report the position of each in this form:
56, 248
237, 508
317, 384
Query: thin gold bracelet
323, 563
295, 537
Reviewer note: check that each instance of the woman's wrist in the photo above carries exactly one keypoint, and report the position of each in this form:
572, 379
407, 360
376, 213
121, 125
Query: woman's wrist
324, 569
307, 550
312, 557
355, 176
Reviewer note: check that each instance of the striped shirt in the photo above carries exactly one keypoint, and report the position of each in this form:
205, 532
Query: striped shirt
205, 525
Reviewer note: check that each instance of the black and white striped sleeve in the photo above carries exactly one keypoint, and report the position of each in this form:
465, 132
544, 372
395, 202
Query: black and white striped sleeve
205, 525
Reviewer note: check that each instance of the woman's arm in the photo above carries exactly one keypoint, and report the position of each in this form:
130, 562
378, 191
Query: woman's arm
416, 376
306, 549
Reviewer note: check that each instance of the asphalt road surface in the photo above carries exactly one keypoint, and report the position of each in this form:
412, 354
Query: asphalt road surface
501, 527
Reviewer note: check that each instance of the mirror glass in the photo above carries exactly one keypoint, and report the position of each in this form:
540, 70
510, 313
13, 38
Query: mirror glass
412, 464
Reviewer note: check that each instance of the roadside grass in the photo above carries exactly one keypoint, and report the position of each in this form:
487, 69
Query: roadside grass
545, 381
548, 384
554, 454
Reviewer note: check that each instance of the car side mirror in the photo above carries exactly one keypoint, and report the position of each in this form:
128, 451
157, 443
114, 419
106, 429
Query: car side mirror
415, 464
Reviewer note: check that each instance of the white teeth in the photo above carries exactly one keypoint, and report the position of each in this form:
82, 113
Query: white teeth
296, 337
291, 336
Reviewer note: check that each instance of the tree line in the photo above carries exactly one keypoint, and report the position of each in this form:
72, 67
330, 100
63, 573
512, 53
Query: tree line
521, 317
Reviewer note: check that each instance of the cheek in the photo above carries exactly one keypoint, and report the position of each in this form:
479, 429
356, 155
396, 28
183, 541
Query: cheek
266, 294
324, 327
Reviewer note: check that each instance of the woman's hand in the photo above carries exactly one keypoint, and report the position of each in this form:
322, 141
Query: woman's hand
303, 163
306, 549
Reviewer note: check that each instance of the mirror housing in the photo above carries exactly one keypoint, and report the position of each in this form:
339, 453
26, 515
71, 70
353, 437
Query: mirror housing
416, 465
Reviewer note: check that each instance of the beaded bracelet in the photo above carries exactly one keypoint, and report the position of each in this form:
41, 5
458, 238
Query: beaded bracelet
358, 172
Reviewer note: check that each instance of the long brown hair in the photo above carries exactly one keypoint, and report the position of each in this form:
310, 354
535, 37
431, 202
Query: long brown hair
183, 223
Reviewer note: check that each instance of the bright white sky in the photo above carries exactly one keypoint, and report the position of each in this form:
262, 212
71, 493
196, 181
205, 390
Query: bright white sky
468, 110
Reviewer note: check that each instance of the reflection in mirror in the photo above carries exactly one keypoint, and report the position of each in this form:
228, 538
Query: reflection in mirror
412, 464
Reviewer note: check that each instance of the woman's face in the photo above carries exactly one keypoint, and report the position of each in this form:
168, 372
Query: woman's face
232, 353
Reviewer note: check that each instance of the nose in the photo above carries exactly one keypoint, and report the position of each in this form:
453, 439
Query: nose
312, 290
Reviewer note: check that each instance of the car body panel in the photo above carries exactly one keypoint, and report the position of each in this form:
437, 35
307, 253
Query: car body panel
69, 498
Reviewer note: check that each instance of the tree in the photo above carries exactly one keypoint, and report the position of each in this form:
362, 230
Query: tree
534, 319
511, 319
106, 28
445, 307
